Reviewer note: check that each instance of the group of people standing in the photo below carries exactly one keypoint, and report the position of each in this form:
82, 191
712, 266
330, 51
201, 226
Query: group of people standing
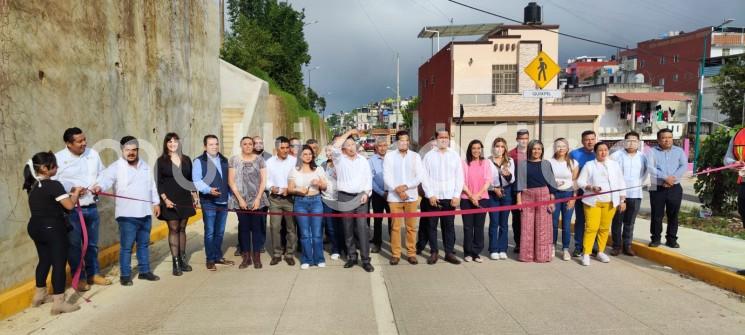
298, 183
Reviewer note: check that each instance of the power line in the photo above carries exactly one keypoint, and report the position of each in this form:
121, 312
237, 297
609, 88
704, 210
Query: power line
375, 26
567, 35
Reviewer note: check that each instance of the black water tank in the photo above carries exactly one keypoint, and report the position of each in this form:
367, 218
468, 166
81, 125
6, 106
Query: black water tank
533, 14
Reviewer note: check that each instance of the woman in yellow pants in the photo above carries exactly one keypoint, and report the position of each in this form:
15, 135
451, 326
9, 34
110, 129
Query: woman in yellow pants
597, 177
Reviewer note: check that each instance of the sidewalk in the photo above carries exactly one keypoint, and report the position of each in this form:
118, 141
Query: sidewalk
722, 251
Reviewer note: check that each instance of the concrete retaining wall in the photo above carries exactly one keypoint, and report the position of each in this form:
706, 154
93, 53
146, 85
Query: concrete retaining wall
112, 68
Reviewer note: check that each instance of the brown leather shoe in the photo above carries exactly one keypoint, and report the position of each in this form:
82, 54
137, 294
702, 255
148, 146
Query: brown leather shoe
412, 260
257, 259
211, 266
394, 261
629, 252
275, 261
223, 261
83, 286
450, 258
99, 280
432, 259
615, 251
245, 261
290, 260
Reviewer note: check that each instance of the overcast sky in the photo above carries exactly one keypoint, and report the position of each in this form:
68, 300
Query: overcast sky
355, 41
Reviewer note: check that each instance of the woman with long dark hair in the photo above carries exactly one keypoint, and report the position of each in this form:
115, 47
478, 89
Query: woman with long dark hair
477, 179
306, 181
48, 227
178, 195
536, 236
247, 179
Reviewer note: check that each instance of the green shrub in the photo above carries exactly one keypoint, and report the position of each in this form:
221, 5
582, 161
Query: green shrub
718, 190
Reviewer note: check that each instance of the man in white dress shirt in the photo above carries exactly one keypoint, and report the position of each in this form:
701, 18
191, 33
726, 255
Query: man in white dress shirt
278, 169
634, 168
80, 166
442, 186
132, 178
402, 174
354, 186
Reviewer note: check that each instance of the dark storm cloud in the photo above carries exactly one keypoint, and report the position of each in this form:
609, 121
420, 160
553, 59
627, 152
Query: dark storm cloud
356, 52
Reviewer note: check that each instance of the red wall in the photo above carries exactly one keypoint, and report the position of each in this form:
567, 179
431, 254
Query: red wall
688, 47
436, 105
585, 70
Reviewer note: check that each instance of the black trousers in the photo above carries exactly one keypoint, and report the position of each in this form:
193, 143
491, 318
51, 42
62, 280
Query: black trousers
741, 202
379, 205
356, 231
473, 228
665, 201
447, 225
422, 237
622, 228
50, 238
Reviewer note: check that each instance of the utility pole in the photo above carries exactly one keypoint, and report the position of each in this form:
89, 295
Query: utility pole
701, 94
398, 94
222, 22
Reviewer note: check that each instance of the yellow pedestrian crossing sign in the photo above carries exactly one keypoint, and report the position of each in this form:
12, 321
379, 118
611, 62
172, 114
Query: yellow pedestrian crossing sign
542, 69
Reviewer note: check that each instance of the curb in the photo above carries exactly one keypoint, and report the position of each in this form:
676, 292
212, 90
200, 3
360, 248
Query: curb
18, 298
706, 272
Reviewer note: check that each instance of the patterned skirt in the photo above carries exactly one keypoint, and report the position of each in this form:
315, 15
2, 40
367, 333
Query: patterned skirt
536, 227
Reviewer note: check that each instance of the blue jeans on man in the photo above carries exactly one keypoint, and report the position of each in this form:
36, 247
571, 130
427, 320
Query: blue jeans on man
562, 209
75, 236
133, 230
214, 217
311, 229
498, 226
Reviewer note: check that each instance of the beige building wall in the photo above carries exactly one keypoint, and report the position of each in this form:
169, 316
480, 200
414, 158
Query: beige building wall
112, 68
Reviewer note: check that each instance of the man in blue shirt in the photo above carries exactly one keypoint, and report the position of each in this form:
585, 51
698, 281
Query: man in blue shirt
667, 163
379, 195
210, 176
582, 155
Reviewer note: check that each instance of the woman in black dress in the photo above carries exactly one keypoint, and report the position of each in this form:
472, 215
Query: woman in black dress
49, 204
176, 189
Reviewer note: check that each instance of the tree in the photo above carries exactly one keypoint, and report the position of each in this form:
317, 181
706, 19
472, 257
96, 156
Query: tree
269, 36
408, 112
316, 102
730, 83
717, 191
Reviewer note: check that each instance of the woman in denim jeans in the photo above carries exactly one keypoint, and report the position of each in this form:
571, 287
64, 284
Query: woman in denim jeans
566, 171
500, 194
306, 182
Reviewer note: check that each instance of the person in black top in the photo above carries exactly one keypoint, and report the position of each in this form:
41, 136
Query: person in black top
176, 189
49, 204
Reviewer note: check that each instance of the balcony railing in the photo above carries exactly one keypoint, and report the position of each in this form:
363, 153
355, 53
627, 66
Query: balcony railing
578, 98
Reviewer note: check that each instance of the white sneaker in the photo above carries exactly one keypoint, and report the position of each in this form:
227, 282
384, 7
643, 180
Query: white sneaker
335, 257
586, 260
321, 265
603, 257
567, 255
502, 255
467, 258
494, 256
304, 266
477, 260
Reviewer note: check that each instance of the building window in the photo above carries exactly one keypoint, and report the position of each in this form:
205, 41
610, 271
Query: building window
725, 52
675, 77
676, 59
504, 78
641, 63
662, 60
662, 82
